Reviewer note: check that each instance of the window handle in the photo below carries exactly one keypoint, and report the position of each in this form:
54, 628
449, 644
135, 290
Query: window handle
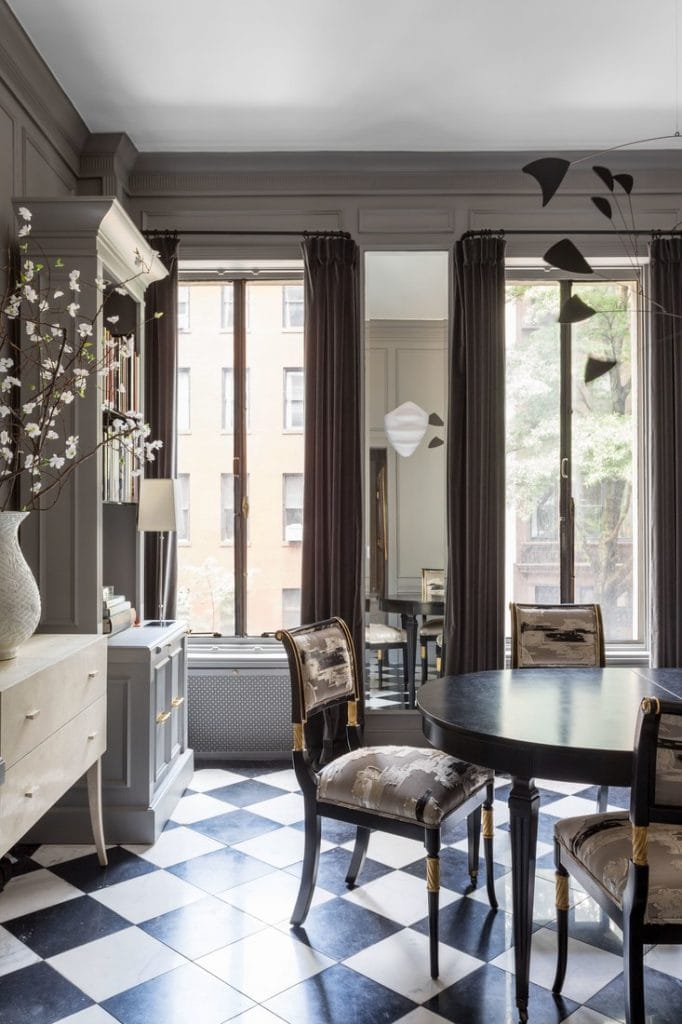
564, 469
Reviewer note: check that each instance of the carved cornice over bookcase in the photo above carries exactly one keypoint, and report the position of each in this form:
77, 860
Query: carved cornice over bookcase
72, 545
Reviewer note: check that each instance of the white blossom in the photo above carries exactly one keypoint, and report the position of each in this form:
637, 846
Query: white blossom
32, 430
72, 308
36, 486
24, 230
29, 460
71, 446
56, 461
30, 328
4, 411
73, 280
101, 283
52, 435
120, 291
58, 294
6, 364
43, 305
67, 397
5, 437
85, 330
6, 454
12, 308
28, 407
25, 213
113, 319
29, 270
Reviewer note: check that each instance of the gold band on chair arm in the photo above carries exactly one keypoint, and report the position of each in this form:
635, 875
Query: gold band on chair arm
432, 874
487, 823
299, 738
651, 705
561, 897
352, 712
640, 842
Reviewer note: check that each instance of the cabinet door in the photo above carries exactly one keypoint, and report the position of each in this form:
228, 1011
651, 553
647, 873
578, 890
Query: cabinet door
162, 692
178, 706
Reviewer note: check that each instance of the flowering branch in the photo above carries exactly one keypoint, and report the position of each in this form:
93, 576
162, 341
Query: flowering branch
53, 366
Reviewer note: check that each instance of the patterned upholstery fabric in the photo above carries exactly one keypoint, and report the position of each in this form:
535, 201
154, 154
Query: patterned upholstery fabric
408, 783
326, 669
431, 628
602, 843
556, 636
378, 633
669, 761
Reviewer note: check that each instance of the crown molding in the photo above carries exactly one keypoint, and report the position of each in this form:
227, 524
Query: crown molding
37, 91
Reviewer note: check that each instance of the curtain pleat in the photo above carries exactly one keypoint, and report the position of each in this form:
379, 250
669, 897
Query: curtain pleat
160, 383
474, 608
665, 408
332, 580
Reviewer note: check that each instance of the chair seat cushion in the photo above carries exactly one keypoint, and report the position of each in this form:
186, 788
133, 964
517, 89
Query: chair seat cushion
432, 627
412, 784
602, 844
377, 633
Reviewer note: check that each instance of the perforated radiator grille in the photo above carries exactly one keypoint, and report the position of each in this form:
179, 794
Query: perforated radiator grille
239, 711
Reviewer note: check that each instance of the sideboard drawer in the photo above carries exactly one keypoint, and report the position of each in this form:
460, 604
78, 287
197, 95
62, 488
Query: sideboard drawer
50, 698
34, 783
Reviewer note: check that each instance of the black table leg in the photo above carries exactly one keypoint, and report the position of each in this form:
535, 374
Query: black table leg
524, 804
409, 623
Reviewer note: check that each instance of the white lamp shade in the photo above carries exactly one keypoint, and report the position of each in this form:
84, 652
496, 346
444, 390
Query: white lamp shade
157, 508
405, 427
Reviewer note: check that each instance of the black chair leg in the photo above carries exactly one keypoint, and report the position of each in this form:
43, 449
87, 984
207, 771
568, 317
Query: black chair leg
561, 881
358, 859
311, 857
602, 799
424, 651
474, 843
633, 970
432, 843
405, 668
488, 845
380, 667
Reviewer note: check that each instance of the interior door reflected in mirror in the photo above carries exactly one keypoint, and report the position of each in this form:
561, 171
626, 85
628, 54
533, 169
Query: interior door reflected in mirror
406, 341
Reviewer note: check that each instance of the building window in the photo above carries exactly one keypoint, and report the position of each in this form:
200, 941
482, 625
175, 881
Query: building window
227, 508
227, 415
293, 399
183, 508
292, 306
227, 307
183, 308
291, 607
292, 490
184, 380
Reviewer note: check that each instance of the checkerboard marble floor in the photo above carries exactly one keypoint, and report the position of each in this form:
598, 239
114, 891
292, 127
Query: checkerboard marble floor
194, 929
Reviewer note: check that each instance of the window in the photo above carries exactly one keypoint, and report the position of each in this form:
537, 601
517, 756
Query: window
183, 508
291, 607
183, 308
293, 506
293, 399
292, 306
227, 508
227, 420
184, 381
226, 307
574, 492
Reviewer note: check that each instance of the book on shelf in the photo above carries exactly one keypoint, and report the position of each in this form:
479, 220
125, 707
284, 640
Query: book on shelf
110, 607
118, 620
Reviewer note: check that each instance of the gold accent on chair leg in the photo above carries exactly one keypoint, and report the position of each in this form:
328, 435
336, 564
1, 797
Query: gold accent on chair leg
487, 830
561, 897
432, 874
640, 844
352, 712
299, 740
651, 705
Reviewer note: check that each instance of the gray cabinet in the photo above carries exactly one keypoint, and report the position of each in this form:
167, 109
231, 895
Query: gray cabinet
147, 765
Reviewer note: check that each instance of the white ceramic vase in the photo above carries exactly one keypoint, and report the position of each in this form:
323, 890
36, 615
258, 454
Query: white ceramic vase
19, 594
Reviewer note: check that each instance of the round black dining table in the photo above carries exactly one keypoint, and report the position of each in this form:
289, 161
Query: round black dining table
409, 607
574, 725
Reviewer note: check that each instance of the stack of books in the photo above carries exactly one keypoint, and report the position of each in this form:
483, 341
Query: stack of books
117, 613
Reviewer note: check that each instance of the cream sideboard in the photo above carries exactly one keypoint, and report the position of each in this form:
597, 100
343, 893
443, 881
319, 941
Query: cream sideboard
53, 707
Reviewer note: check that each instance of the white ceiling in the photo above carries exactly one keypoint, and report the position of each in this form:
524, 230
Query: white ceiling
218, 75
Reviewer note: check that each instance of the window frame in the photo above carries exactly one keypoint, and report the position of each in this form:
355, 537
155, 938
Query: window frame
289, 403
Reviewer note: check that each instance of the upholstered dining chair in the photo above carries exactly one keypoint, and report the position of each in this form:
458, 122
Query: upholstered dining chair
406, 791
381, 639
558, 636
433, 589
631, 864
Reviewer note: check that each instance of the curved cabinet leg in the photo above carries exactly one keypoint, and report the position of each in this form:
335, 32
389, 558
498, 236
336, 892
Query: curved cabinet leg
524, 804
94, 777
359, 850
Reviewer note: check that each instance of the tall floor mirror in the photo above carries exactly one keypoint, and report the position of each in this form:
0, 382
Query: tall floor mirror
406, 339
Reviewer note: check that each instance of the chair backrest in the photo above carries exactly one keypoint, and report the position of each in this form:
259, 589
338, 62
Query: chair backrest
322, 668
433, 584
556, 636
656, 794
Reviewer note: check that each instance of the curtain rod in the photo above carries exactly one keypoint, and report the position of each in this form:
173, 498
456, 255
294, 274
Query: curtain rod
651, 232
270, 234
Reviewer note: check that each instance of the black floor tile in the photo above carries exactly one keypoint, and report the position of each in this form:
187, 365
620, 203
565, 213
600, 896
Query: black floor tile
333, 867
219, 870
488, 995
65, 925
88, 875
340, 929
454, 870
38, 995
200, 928
662, 998
250, 791
333, 831
473, 928
339, 996
187, 994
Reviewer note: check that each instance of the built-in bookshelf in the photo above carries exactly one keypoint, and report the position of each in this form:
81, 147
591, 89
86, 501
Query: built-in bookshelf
121, 393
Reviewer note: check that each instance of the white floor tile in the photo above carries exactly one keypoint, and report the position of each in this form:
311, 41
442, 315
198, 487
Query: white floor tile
116, 963
199, 806
584, 1015
502, 847
569, 788
421, 1016
284, 809
398, 896
544, 904
270, 898
147, 896
207, 779
401, 962
14, 954
264, 964
394, 851
285, 778
589, 969
93, 1015
280, 848
570, 807
34, 891
667, 959
51, 853
257, 1015
175, 846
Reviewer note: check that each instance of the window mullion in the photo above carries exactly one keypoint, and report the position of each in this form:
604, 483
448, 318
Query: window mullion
240, 468
566, 506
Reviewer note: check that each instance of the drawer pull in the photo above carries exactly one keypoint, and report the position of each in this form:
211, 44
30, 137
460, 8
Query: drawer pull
33, 714
162, 717
32, 791
91, 735
93, 672
177, 701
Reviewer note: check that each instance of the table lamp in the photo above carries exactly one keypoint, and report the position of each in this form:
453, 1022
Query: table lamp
157, 513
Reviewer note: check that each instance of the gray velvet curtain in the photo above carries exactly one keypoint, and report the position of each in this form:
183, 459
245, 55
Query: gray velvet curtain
665, 406
474, 607
160, 377
332, 581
